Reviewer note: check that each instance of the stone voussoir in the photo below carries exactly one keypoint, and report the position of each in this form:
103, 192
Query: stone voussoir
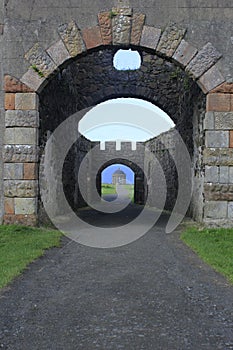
150, 37
92, 37
72, 38
137, 27
105, 24
20, 118
209, 80
203, 61
121, 25
41, 62
34, 80
58, 52
184, 53
20, 188
170, 39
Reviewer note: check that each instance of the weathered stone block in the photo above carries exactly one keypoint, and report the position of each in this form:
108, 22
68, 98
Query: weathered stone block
20, 153
204, 60
30, 171
121, 26
224, 174
21, 136
212, 78
105, 24
137, 26
218, 156
184, 53
58, 53
22, 118
209, 121
230, 210
225, 88
9, 206
92, 37
211, 174
223, 120
26, 220
25, 206
231, 139
218, 192
218, 102
39, 58
72, 38
13, 84
217, 139
170, 39
26, 101
20, 189
150, 37
9, 101
215, 210
13, 171
34, 80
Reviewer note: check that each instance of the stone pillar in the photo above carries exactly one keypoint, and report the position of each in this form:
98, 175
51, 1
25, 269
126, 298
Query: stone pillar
218, 158
21, 155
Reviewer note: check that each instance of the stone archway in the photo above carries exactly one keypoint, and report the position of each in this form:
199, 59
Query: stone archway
118, 28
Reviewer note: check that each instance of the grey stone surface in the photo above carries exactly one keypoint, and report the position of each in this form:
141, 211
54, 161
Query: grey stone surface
72, 38
184, 53
21, 118
20, 154
223, 120
170, 39
217, 139
13, 171
150, 37
34, 80
209, 121
212, 174
38, 58
137, 26
121, 26
215, 210
21, 189
58, 53
26, 101
231, 174
211, 79
224, 174
25, 206
204, 60
230, 210
21, 136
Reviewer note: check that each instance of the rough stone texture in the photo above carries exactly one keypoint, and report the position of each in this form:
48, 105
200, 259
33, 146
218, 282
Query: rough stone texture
72, 38
9, 205
218, 192
137, 26
105, 24
211, 174
34, 80
150, 37
224, 174
209, 121
210, 79
231, 175
58, 53
121, 26
21, 153
215, 210
223, 120
218, 156
13, 171
13, 84
9, 101
226, 88
25, 206
22, 118
21, 136
184, 53
204, 60
21, 189
30, 171
218, 139
230, 210
92, 37
218, 102
26, 101
38, 57
25, 220
231, 139
170, 39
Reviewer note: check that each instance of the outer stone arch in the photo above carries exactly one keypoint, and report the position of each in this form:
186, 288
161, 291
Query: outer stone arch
120, 27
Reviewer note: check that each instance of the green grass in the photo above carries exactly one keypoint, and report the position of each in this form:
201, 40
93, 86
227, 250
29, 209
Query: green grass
108, 189
214, 246
20, 246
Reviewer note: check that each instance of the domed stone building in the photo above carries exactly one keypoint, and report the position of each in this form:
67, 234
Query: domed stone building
119, 177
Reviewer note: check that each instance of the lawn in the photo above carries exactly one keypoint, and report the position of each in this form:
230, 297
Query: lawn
214, 246
19, 246
111, 189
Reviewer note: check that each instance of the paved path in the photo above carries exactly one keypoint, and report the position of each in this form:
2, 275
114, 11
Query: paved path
152, 294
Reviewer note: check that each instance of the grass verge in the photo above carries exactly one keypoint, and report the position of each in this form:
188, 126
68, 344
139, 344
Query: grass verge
214, 246
19, 246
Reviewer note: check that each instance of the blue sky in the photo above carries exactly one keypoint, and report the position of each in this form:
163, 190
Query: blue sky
107, 173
